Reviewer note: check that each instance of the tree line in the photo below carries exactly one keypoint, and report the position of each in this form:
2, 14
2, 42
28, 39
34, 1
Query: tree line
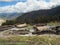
38, 19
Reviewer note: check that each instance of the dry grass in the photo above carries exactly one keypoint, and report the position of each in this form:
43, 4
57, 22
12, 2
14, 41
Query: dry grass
31, 40
54, 23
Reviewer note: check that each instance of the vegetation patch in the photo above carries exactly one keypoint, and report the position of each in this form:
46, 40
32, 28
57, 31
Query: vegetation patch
30, 40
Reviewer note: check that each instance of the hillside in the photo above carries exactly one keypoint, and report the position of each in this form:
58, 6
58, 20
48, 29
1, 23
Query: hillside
9, 15
42, 16
38, 16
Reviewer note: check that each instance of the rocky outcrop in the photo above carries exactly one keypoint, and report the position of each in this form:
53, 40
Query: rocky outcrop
15, 32
6, 27
47, 30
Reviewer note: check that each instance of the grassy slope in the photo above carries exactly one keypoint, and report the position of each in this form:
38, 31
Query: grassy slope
54, 23
31, 40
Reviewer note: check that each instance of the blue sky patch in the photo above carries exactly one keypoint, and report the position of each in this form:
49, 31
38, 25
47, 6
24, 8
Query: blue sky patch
47, 0
2, 3
7, 3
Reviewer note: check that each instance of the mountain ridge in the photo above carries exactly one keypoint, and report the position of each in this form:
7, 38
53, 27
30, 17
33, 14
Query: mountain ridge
9, 16
32, 14
53, 13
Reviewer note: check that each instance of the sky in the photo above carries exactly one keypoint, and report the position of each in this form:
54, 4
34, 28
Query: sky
23, 6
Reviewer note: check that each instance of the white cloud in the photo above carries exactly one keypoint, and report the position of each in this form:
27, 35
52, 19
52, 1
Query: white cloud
29, 5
